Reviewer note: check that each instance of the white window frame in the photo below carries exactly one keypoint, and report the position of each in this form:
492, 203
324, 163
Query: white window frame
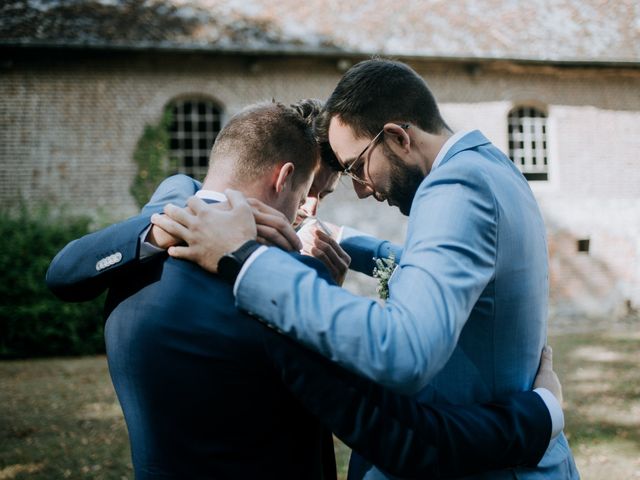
185, 127
528, 142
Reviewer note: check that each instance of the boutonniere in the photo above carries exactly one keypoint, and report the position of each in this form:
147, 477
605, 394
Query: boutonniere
382, 271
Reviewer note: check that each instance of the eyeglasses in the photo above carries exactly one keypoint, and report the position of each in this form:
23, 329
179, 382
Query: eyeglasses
355, 169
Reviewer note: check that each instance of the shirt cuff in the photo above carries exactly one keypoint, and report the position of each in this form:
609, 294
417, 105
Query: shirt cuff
146, 249
555, 410
252, 258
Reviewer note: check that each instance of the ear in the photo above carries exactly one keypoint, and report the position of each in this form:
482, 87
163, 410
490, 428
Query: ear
395, 133
284, 173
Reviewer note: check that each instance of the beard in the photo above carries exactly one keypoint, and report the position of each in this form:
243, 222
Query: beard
404, 181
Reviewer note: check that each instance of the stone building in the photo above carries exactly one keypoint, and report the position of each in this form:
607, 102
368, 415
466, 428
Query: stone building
555, 84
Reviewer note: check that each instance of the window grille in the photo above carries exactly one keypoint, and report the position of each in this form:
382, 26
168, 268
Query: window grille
528, 142
194, 127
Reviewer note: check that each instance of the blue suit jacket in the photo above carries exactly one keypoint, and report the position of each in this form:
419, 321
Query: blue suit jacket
176, 346
466, 317
200, 394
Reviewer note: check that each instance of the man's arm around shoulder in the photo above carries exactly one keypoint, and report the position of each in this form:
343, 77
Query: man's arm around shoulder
406, 438
84, 268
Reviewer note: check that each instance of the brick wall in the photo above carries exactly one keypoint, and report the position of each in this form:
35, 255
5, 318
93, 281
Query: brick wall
69, 125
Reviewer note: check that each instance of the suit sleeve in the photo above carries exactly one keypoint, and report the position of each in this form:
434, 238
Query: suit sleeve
448, 260
74, 275
405, 438
364, 248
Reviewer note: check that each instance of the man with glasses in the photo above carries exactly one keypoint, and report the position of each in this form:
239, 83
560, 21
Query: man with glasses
356, 169
465, 320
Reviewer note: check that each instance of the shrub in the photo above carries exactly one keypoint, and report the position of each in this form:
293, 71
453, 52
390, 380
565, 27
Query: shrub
33, 322
153, 159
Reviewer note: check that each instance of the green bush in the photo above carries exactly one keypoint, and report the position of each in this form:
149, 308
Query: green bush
153, 159
33, 322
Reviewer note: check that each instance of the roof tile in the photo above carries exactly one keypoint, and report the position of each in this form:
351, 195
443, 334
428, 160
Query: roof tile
543, 30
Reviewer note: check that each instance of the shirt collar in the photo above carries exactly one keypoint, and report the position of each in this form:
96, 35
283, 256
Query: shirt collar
453, 139
211, 195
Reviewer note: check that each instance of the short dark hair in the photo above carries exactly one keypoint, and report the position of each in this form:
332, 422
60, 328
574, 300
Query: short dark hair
310, 109
264, 135
378, 91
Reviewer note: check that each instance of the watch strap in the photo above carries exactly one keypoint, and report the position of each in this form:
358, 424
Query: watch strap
230, 264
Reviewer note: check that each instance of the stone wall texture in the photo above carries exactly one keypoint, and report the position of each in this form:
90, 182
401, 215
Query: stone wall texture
69, 125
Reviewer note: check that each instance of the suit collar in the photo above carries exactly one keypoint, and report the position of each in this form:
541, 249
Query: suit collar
211, 195
466, 141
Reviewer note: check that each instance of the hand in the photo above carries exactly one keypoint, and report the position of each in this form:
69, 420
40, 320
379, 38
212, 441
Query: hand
546, 377
323, 247
209, 230
273, 227
160, 238
306, 231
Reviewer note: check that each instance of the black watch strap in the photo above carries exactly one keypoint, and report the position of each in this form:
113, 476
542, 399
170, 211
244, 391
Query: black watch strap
230, 264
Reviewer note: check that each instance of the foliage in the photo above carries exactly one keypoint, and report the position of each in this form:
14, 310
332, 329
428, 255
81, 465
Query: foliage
382, 271
153, 160
33, 322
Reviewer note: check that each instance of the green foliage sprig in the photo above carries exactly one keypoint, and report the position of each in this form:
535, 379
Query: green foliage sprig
153, 159
382, 271
33, 322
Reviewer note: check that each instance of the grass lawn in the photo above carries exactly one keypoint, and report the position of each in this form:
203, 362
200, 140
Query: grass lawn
59, 417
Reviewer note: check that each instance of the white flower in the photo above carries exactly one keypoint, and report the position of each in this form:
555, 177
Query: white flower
382, 271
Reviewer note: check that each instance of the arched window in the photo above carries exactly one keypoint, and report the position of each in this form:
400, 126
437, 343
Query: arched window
194, 127
528, 145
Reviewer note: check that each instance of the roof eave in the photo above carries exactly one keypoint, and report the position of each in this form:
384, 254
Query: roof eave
327, 51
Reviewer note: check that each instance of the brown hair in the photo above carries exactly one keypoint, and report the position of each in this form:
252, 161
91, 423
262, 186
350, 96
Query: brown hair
264, 135
310, 109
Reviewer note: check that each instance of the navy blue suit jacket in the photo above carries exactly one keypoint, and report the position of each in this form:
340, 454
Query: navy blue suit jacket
209, 392
199, 392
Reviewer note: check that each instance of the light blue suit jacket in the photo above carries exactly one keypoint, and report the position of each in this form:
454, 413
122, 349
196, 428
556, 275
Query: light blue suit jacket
466, 317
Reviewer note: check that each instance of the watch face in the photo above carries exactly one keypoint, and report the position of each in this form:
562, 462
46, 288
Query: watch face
228, 266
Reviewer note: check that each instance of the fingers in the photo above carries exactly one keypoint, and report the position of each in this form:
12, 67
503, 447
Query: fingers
274, 227
326, 258
326, 250
170, 226
325, 253
259, 206
546, 377
160, 238
283, 236
237, 200
180, 215
196, 205
546, 361
185, 253
208, 230
344, 256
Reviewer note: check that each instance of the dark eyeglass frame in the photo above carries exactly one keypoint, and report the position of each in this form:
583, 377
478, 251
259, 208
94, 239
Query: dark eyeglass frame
351, 170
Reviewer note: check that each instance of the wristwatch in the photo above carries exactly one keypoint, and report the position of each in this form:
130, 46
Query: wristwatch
230, 264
